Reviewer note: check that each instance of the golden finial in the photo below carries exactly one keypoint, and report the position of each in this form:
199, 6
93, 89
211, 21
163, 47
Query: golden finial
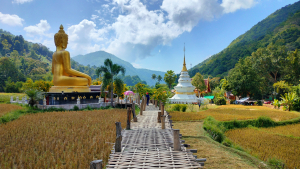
61, 29
184, 65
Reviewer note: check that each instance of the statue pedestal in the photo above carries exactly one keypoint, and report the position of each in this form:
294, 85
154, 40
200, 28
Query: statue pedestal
69, 89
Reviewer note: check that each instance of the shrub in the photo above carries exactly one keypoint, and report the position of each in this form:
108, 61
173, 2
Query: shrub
183, 107
275, 163
232, 101
259, 103
214, 128
88, 107
264, 122
227, 142
176, 107
76, 108
296, 105
220, 101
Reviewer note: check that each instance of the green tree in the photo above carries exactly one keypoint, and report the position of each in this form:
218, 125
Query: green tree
170, 78
110, 70
198, 82
291, 70
6, 46
159, 78
119, 87
243, 79
288, 99
34, 95
153, 76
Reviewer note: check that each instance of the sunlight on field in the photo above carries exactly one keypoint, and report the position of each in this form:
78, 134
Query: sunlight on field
5, 97
5, 108
59, 139
231, 112
267, 145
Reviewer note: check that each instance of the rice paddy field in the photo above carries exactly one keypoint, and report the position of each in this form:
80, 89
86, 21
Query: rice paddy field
5, 97
70, 139
266, 143
6, 108
232, 112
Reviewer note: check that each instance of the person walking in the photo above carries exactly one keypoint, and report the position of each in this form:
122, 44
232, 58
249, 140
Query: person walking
148, 98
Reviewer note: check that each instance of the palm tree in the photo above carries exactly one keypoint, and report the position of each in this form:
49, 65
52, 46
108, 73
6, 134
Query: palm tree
288, 99
159, 78
110, 70
154, 76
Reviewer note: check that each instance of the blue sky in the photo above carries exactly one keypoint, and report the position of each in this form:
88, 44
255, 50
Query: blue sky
147, 33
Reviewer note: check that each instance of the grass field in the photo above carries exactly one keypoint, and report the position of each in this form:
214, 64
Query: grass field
59, 139
5, 97
266, 143
231, 112
289, 130
5, 108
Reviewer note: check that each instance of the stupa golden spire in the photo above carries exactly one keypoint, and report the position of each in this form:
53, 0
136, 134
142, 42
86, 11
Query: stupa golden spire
184, 65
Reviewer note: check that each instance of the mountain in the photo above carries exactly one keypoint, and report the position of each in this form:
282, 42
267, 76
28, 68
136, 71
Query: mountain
97, 59
281, 27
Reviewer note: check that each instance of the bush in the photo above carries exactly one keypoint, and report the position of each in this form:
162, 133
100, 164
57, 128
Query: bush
176, 107
214, 128
88, 107
227, 142
259, 103
296, 105
232, 101
275, 163
76, 108
220, 101
183, 107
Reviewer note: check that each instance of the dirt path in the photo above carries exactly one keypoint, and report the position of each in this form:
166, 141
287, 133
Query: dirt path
217, 155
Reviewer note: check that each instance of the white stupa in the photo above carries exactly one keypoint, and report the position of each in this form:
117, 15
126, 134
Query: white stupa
184, 89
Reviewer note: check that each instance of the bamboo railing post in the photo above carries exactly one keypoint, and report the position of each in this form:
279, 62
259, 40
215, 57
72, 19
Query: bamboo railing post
145, 103
128, 118
118, 146
141, 107
97, 164
176, 139
163, 125
159, 117
162, 109
155, 103
138, 101
133, 112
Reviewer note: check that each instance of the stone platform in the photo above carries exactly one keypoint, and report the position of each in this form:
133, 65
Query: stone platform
71, 98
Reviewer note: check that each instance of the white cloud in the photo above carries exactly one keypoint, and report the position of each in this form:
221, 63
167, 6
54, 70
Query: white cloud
136, 65
136, 31
39, 29
12, 20
82, 37
21, 1
94, 17
234, 5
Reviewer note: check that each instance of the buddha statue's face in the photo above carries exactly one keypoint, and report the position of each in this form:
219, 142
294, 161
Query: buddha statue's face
64, 43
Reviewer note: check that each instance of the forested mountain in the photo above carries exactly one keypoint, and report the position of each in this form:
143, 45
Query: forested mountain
97, 59
280, 28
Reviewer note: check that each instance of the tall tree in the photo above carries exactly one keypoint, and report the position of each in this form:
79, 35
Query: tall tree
159, 78
110, 70
199, 83
170, 78
153, 76
243, 79
6, 46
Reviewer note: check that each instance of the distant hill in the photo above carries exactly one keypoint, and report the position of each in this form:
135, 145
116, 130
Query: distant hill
97, 59
282, 27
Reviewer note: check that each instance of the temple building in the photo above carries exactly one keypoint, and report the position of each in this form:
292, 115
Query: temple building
184, 91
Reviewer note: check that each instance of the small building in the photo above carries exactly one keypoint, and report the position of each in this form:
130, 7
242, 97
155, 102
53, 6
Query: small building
208, 90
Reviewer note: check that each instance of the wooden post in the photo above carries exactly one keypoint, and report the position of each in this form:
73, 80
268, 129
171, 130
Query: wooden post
128, 118
97, 164
163, 125
133, 112
138, 101
159, 107
176, 139
118, 146
145, 103
158, 117
141, 107
162, 109
155, 103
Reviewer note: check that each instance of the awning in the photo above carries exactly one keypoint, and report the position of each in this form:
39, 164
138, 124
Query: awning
209, 97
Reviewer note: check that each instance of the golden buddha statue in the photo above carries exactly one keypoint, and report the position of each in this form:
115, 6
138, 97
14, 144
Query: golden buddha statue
64, 78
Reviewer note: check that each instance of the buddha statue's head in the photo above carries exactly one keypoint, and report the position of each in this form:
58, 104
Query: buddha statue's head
61, 38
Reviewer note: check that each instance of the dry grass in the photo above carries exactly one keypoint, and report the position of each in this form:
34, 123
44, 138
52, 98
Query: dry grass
5, 108
267, 145
5, 97
59, 139
288, 130
217, 156
239, 112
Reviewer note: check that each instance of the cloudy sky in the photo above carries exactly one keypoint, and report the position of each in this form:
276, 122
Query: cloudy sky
147, 33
